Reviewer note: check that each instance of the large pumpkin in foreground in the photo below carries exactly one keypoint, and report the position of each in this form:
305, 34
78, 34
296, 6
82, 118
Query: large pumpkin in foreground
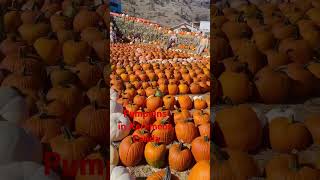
238, 128
200, 171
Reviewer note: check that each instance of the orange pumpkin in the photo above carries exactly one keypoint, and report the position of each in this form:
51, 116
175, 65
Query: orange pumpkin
200, 148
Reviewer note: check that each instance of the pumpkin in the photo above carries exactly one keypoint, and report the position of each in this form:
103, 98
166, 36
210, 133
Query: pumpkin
186, 131
91, 121
180, 157
164, 174
303, 81
204, 130
200, 148
199, 103
14, 147
165, 133
11, 21
90, 35
155, 154
200, 171
200, 117
249, 54
248, 134
48, 49
31, 32
99, 48
287, 166
173, 89
298, 51
233, 164
114, 156
71, 146
99, 94
131, 151
68, 94
185, 102
75, 52
281, 85
88, 73
180, 115
120, 173
312, 123
13, 106
43, 126
117, 134
286, 136
98, 157
84, 19
264, 40
169, 102
276, 59
230, 81
139, 100
314, 69
143, 118
195, 88
26, 170
154, 101
62, 75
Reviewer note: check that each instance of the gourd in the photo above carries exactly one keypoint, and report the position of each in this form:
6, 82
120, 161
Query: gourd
115, 107
13, 106
17, 145
120, 173
25, 170
117, 134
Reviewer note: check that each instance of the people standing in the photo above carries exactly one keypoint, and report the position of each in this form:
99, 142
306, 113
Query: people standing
113, 35
173, 40
203, 44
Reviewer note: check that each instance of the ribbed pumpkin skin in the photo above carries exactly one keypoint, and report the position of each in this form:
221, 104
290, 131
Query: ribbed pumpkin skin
239, 166
160, 175
44, 128
92, 121
186, 131
155, 154
130, 152
165, 135
180, 159
200, 148
204, 130
200, 171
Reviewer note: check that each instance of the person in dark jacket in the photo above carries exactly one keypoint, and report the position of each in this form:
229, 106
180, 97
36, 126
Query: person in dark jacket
173, 40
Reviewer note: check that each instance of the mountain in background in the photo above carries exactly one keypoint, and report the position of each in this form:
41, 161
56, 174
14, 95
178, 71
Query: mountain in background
168, 12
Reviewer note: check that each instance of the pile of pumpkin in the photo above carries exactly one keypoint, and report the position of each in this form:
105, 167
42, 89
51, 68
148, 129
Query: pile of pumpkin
173, 79
190, 120
266, 53
123, 54
53, 96
241, 132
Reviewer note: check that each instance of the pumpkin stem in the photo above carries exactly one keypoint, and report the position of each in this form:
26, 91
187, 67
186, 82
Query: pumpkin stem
294, 165
67, 133
181, 146
167, 174
158, 93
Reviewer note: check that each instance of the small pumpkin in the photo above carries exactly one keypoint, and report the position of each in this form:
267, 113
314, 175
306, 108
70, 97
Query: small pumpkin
185, 102
285, 135
180, 157
200, 148
131, 151
186, 131
91, 121
155, 154
71, 146
154, 101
